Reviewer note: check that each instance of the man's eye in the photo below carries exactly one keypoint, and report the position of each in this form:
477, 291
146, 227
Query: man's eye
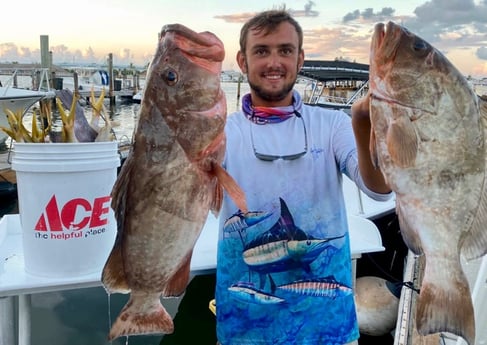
286, 51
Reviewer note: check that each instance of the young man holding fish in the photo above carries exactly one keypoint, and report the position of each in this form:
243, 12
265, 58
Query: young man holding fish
284, 268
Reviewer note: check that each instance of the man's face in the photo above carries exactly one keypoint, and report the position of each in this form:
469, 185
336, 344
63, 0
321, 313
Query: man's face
271, 63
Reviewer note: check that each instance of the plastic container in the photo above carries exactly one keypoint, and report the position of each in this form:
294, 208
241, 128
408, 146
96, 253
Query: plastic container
68, 226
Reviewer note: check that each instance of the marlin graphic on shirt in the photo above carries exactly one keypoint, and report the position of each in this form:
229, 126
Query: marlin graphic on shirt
284, 246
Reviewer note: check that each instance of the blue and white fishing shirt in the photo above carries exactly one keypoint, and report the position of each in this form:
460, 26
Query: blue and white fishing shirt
284, 270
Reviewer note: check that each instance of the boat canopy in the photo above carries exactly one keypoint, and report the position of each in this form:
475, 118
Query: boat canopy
334, 70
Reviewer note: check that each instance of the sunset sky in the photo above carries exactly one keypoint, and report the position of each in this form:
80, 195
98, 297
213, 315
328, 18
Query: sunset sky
87, 31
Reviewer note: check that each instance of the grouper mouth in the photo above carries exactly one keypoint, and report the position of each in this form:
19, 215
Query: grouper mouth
200, 48
385, 40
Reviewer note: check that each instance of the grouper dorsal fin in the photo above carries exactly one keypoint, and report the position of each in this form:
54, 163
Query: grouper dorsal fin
475, 244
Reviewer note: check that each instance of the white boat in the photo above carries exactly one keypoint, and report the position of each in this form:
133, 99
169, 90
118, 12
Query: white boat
97, 81
137, 98
334, 84
16, 99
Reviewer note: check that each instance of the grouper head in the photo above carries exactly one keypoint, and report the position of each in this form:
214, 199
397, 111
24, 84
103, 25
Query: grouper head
420, 93
411, 72
183, 87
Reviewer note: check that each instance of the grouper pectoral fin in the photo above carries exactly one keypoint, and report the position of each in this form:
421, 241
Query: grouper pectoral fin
230, 185
402, 142
217, 201
475, 244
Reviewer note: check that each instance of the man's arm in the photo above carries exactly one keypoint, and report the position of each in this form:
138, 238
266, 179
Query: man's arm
372, 177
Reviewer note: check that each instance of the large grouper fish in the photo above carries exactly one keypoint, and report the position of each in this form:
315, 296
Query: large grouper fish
429, 139
171, 179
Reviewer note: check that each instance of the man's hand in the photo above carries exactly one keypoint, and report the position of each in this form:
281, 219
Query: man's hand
361, 107
372, 177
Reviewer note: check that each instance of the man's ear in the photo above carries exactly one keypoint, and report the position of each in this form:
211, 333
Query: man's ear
300, 59
241, 62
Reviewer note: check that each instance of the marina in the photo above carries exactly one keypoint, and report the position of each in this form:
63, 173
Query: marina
409, 274
39, 305
84, 81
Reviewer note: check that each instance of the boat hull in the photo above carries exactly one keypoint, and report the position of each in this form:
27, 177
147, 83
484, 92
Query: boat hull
15, 100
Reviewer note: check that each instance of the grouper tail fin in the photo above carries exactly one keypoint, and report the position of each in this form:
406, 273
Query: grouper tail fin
143, 314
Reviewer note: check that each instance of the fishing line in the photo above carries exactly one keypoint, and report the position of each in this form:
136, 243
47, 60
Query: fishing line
408, 284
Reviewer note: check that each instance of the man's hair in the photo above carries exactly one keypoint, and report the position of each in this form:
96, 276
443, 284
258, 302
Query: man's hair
267, 22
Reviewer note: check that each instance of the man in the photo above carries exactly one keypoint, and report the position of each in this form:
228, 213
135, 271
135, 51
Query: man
284, 270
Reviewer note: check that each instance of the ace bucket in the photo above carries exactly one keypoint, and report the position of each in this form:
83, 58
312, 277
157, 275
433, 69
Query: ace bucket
68, 226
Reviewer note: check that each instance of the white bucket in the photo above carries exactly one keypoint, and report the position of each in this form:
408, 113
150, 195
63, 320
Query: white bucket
64, 192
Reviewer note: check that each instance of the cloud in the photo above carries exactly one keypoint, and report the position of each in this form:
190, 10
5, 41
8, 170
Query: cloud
330, 43
482, 53
434, 19
368, 15
243, 17
307, 12
236, 18
446, 24
451, 12
10, 52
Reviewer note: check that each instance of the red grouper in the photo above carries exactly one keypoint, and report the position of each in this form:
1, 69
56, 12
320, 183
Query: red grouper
429, 140
171, 179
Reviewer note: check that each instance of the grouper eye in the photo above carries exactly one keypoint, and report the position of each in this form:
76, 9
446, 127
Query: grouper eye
419, 44
170, 77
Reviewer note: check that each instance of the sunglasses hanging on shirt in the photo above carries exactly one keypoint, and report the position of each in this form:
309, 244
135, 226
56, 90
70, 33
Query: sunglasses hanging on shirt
290, 157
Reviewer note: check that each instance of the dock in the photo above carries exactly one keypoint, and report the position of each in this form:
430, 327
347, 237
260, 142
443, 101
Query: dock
34, 77
97, 93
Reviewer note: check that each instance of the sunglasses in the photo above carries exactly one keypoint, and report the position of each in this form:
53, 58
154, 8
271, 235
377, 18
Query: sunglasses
270, 158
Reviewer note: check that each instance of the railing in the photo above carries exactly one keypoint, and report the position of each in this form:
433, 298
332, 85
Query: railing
40, 79
315, 94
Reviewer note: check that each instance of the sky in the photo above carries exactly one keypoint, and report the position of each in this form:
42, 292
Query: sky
87, 31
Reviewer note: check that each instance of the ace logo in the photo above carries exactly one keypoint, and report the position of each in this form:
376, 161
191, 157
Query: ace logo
76, 214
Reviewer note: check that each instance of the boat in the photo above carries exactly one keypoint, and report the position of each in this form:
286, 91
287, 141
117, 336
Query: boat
17, 99
334, 84
137, 98
85, 83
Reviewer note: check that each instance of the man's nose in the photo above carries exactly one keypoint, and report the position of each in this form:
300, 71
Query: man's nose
274, 59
